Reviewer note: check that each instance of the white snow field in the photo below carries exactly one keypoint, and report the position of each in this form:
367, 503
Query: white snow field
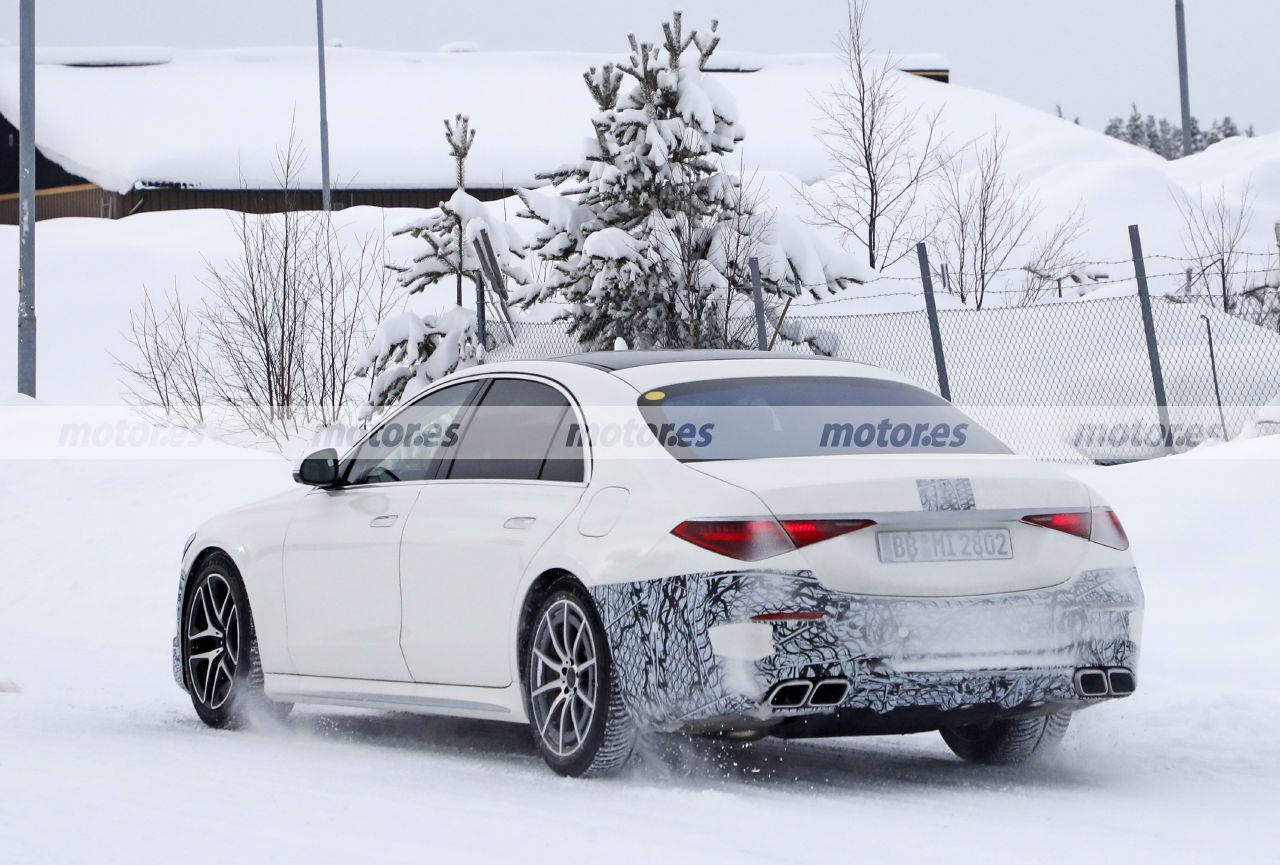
102, 759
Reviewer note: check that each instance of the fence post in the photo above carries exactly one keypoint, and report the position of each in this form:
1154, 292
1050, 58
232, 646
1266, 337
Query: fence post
757, 294
944, 387
1213, 367
1149, 325
480, 324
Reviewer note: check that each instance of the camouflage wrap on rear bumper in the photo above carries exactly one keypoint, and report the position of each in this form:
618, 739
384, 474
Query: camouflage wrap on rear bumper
1006, 650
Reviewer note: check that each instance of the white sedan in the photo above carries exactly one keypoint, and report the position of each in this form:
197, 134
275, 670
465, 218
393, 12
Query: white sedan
729, 544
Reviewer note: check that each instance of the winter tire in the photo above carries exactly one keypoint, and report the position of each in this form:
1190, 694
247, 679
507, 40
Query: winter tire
220, 649
576, 715
1007, 742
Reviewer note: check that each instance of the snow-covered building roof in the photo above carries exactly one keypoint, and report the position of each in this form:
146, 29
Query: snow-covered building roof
129, 118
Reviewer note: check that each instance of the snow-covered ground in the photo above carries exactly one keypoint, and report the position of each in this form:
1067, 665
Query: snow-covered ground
102, 759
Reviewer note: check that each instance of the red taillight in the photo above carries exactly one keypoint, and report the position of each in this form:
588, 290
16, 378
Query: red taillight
805, 532
1101, 525
752, 540
1073, 522
748, 540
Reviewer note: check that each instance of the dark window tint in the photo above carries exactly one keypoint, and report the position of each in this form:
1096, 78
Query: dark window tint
519, 432
409, 445
565, 458
793, 416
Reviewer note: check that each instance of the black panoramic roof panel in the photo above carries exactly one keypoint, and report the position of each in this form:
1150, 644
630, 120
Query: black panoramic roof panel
616, 360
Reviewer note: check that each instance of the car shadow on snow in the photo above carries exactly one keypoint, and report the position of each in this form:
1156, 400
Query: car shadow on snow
874, 764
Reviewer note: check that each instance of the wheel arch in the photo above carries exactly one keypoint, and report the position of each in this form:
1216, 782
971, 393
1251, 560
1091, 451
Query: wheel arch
184, 593
199, 561
533, 596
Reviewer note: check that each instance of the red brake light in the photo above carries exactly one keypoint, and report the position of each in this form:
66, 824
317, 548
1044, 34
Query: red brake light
1073, 523
748, 540
1101, 525
805, 532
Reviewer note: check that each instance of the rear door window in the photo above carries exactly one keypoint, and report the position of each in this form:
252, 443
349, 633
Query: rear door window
521, 430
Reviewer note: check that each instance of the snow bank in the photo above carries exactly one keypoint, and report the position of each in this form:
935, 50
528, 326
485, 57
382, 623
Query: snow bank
216, 119
1180, 769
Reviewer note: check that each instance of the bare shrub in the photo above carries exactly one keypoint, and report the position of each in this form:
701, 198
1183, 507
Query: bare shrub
273, 346
1213, 230
885, 154
984, 216
1055, 262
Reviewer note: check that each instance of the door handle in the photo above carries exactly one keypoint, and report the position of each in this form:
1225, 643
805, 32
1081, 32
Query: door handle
384, 521
519, 523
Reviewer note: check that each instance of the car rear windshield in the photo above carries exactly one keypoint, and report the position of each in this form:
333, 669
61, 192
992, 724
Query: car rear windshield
793, 416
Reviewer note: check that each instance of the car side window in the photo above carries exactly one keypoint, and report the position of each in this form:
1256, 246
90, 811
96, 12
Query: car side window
408, 446
565, 458
521, 430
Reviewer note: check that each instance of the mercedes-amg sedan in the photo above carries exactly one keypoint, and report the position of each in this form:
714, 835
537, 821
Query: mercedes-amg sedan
730, 544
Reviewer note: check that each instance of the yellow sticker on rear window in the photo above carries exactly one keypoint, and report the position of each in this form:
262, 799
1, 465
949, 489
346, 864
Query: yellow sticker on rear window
656, 395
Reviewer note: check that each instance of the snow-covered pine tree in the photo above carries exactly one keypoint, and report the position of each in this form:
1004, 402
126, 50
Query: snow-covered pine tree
1162, 137
647, 237
444, 230
410, 351
1133, 129
421, 348
460, 138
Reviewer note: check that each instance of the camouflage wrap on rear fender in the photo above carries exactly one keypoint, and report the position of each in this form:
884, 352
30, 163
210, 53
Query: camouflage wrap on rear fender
1005, 649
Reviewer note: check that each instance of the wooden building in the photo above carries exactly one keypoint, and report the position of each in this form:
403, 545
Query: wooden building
125, 131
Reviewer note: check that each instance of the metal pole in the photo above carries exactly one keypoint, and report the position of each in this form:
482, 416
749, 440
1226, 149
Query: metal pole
1148, 325
757, 293
1213, 365
1183, 88
480, 323
489, 265
326, 197
935, 331
27, 199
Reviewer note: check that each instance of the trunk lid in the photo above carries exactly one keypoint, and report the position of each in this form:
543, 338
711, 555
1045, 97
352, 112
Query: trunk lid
914, 493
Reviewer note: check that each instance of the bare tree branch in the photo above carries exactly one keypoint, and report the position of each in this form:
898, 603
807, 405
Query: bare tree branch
885, 154
1213, 230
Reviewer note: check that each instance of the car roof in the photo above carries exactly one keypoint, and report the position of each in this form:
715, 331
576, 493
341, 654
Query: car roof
644, 370
612, 361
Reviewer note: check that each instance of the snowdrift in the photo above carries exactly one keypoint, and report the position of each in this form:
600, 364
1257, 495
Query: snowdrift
91, 723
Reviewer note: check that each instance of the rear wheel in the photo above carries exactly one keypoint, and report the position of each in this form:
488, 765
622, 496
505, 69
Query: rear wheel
576, 714
1009, 741
220, 649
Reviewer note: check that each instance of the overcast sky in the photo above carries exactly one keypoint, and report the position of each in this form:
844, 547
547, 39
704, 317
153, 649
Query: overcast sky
1092, 57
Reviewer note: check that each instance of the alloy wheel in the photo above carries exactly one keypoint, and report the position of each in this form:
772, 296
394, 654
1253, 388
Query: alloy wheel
563, 681
213, 641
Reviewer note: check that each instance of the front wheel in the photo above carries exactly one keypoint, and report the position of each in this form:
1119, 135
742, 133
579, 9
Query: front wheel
577, 716
1008, 741
220, 649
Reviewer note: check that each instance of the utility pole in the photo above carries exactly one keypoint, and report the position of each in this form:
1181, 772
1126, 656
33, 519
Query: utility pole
326, 196
1184, 90
27, 198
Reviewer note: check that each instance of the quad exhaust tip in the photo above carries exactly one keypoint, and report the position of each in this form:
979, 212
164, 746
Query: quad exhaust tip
1105, 682
1121, 681
829, 692
791, 694
795, 693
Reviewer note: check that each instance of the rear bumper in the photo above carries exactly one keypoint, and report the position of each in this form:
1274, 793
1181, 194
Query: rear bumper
686, 652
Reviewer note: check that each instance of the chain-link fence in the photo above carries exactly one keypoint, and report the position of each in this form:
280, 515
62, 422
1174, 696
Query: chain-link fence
1071, 380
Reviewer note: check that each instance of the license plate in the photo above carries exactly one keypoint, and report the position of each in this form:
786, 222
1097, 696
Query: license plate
945, 545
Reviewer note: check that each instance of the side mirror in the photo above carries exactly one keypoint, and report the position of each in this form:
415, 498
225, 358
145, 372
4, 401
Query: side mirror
319, 469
